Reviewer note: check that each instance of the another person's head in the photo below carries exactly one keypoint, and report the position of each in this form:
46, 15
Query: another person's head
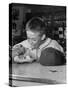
35, 30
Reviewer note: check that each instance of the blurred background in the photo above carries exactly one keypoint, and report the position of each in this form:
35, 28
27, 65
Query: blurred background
55, 16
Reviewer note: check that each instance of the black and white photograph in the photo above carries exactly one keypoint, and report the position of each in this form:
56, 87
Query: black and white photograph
37, 44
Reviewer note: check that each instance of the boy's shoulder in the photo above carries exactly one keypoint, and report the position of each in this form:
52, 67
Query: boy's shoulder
51, 43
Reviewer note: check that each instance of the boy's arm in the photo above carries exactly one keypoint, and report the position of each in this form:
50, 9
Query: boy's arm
21, 59
27, 57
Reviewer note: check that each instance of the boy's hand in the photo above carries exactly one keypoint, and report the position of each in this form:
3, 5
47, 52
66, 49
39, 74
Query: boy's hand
17, 50
30, 53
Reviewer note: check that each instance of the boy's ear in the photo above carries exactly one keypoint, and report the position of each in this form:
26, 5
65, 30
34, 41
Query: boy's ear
43, 37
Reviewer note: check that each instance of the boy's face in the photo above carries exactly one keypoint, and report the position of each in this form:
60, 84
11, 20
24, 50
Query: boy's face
34, 38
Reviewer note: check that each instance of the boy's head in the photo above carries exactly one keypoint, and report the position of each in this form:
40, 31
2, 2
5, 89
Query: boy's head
35, 30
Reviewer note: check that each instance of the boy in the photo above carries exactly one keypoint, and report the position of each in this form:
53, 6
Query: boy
38, 46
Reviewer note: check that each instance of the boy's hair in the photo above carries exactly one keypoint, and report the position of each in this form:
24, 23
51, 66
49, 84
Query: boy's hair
36, 24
